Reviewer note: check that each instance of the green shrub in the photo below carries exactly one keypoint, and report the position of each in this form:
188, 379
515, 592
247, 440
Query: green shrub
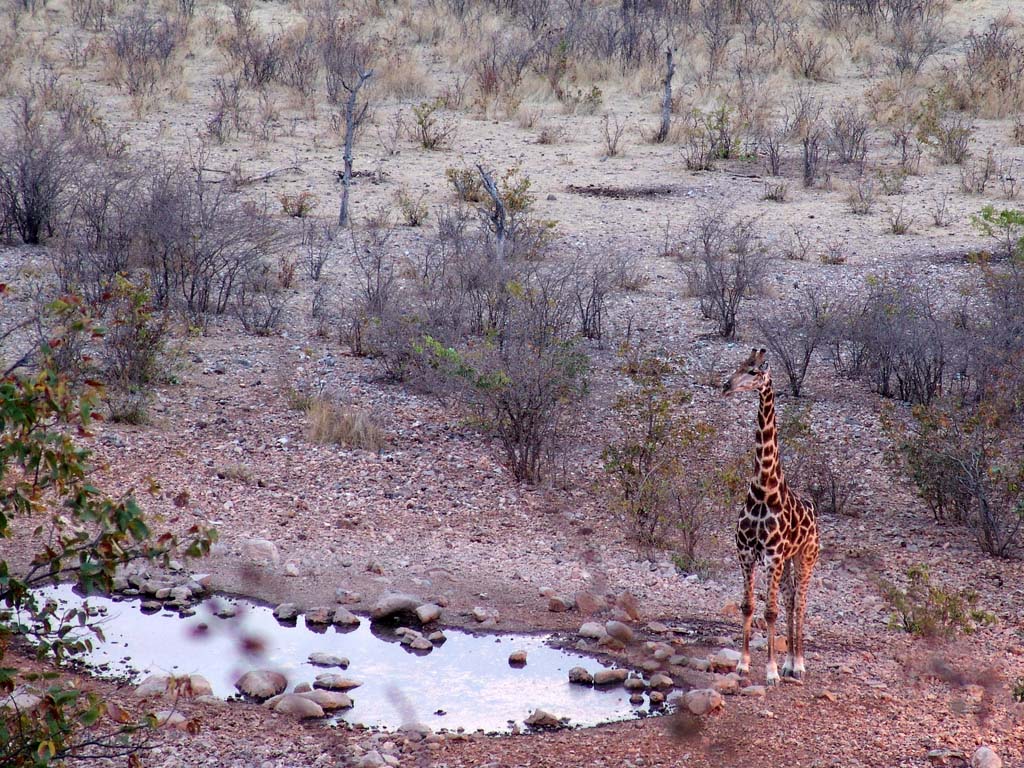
931, 610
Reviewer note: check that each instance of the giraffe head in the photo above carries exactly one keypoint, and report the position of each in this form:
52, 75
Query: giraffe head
752, 374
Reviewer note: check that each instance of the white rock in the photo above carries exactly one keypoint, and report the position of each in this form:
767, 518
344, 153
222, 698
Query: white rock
261, 552
153, 685
321, 659
702, 701
392, 604
297, 705
727, 659
542, 719
984, 757
610, 676
592, 630
428, 612
334, 682
261, 683
328, 700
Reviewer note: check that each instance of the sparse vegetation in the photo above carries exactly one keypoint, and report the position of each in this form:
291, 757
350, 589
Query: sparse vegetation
927, 609
336, 424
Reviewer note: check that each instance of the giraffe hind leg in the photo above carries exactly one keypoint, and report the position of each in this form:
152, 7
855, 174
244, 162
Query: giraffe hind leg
803, 579
771, 613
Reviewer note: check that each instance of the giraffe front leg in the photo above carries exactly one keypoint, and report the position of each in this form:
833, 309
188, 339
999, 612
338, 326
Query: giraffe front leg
789, 587
771, 613
748, 615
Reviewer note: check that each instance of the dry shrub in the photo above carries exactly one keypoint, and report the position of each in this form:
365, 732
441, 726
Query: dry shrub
990, 77
401, 76
331, 423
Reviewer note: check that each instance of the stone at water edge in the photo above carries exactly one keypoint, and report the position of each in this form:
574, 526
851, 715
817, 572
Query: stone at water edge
328, 700
984, 757
517, 658
702, 701
610, 676
347, 597
297, 705
321, 659
660, 680
319, 616
580, 676
592, 630
542, 719
334, 682
634, 684
261, 683
619, 631
392, 604
286, 612
428, 612
343, 617
485, 614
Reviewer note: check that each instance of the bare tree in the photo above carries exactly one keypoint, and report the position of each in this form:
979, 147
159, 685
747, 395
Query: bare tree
498, 217
666, 99
348, 61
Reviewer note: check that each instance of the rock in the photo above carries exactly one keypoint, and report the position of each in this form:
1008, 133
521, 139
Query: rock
392, 605
560, 603
580, 676
437, 637
225, 611
984, 757
150, 606
261, 683
485, 614
828, 696
333, 682
727, 684
542, 719
422, 730
657, 698
302, 688
347, 597
757, 691
587, 602
329, 700
610, 676
662, 654
636, 699
702, 701
181, 594
634, 684
21, 700
163, 593
261, 552
650, 665
371, 759
200, 686
657, 627
319, 616
943, 756
286, 612
517, 658
726, 659
291, 568
660, 680
418, 642
153, 685
297, 705
619, 631
428, 613
320, 659
701, 665
168, 718
343, 617
592, 630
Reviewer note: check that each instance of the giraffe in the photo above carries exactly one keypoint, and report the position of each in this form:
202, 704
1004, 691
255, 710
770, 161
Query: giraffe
776, 528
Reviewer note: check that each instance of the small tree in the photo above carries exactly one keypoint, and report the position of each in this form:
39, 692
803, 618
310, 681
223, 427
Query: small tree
1006, 227
727, 265
37, 167
646, 462
794, 338
89, 534
666, 99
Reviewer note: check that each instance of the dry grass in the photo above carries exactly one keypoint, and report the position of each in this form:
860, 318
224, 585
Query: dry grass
331, 423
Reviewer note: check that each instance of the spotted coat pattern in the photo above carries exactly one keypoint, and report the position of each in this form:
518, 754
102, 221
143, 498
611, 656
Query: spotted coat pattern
776, 529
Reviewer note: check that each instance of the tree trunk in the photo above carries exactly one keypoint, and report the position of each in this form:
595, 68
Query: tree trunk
498, 216
350, 131
666, 101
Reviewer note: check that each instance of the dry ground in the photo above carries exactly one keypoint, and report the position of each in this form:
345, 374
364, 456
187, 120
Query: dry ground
436, 513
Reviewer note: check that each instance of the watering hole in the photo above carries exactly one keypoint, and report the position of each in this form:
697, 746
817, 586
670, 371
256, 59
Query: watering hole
464, 683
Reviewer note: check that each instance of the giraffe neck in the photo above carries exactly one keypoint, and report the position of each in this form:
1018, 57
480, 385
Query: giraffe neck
769, 463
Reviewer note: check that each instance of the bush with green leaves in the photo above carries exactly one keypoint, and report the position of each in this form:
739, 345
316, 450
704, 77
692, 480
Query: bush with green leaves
927, 609
89, 535
1006, 227
525, 379
656, 490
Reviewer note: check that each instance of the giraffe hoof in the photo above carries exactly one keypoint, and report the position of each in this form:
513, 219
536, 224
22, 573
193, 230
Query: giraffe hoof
772, 678
743, 668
